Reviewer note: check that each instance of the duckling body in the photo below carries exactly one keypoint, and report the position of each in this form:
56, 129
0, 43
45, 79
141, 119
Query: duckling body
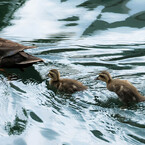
65, 85
126, 92
12, 55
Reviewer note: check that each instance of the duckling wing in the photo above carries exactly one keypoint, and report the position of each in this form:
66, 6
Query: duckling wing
9, 48
126, 93
72, 86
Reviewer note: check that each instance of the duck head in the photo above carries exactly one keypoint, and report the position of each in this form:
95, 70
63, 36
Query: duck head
54, 75
104, 76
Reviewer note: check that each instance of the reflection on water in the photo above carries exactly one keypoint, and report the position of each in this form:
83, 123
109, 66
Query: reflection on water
7, 9
17, 128
79, 38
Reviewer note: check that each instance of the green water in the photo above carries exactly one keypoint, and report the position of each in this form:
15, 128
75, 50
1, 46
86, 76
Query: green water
79, 38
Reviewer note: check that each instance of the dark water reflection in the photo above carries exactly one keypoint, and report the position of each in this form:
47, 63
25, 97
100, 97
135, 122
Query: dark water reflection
7, 9
80, 38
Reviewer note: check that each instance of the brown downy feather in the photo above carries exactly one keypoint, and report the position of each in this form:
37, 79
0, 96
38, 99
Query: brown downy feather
126, 92
65, 85
12, 55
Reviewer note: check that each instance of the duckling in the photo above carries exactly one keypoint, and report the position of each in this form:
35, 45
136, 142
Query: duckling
64, 85
12, 55
126, 92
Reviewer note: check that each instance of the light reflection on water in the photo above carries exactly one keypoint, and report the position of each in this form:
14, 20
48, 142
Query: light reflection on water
80, 39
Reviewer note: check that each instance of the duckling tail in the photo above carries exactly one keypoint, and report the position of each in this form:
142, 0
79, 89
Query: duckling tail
142, 99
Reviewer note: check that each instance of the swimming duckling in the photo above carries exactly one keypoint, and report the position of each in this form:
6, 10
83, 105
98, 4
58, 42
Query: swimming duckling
12, 55
65, 85
126, 92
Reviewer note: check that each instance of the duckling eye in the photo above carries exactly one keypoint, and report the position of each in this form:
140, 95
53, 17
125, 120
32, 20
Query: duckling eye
51, 74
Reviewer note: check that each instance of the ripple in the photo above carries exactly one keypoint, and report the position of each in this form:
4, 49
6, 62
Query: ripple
80, 39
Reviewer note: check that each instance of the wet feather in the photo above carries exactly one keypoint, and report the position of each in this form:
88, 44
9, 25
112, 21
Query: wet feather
64, 85
12, 55
126, 92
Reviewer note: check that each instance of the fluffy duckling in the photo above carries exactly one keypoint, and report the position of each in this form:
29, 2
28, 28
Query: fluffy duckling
126, 92
12, 55
65, 85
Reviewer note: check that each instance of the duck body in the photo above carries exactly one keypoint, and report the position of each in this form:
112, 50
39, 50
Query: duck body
12, 55
65, 85
126, 92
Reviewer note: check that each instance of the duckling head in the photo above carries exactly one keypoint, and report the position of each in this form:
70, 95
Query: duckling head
54, 75
104, 76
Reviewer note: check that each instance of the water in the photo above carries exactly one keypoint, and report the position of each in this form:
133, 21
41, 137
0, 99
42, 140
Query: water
80, 38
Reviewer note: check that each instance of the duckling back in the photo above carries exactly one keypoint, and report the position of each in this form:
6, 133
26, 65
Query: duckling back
126, 92
68, 85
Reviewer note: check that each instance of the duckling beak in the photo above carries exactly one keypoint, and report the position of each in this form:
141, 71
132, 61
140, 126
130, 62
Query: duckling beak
48, 75
97, 78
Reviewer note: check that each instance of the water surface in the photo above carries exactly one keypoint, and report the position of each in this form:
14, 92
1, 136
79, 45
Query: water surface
80, 39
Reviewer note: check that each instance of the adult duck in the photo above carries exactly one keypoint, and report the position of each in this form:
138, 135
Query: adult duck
12, 55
